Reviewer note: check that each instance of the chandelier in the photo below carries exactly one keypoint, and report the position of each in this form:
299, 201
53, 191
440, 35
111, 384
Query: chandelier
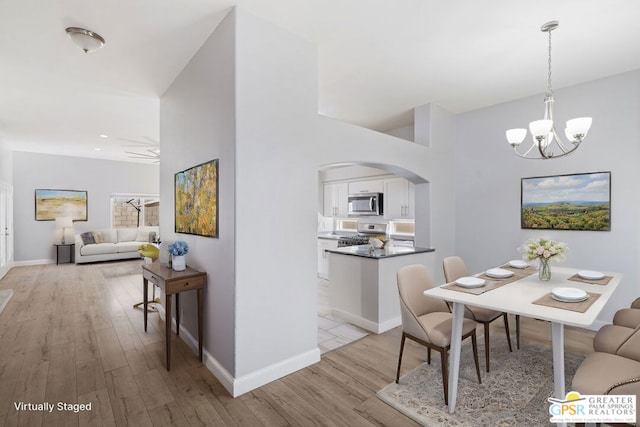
546, 141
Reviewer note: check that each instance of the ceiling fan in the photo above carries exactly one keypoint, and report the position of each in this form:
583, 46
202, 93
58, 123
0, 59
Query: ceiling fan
151, 152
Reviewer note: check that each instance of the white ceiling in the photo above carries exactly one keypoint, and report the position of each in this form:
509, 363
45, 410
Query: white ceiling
377, 59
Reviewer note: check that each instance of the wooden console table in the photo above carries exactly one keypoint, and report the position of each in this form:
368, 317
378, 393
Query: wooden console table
174, 282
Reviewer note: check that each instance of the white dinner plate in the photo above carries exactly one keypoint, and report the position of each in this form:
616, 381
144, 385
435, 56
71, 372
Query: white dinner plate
518, 263
470, 282
568, 300
498, 273
569, 294
590, 275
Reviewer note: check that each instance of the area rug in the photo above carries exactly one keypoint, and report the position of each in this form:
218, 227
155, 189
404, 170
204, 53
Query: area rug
514, 393
5, 296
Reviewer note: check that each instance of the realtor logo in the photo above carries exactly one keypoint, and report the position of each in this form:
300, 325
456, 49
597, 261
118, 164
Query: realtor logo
578, 408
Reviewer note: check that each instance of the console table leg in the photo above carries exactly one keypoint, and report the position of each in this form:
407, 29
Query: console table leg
145, 288
200, 321
168, 330
178, 313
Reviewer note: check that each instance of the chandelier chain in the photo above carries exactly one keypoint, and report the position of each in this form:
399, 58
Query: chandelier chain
549, 90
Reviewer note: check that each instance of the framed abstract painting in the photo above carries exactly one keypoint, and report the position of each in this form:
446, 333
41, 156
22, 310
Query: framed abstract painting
196, 195
56, 203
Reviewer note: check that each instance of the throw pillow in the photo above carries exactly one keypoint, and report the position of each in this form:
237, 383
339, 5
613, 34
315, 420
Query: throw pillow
97, 236
87, 238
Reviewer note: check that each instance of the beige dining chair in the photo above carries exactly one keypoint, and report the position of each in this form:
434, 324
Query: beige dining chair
455, 268
428, 321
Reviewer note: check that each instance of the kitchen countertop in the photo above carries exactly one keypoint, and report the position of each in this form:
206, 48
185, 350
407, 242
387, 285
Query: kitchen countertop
363, 251
330, 235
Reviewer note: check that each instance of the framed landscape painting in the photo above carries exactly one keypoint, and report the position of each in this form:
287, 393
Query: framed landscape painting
196, 193
54, 203
580, 201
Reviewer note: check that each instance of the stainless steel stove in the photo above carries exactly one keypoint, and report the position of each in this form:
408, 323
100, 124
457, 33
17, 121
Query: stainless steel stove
365, 230
352, 241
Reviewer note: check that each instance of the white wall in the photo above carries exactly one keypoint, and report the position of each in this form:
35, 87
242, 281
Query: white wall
487, 189
261, 308
197, 124
100, 178
6, 163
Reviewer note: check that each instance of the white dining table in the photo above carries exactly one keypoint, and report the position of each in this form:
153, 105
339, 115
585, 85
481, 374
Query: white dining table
517, 297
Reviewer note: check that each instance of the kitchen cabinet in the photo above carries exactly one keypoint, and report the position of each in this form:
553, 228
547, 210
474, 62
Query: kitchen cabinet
336, 199
399, 198
323, 256
368, 186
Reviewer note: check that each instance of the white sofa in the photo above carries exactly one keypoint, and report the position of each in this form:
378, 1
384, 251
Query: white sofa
112, 244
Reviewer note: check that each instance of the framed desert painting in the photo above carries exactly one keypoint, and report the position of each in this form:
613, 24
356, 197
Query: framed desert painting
580, 201
54, 203
196, 194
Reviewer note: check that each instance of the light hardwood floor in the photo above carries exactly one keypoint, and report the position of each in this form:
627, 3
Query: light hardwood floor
71, 335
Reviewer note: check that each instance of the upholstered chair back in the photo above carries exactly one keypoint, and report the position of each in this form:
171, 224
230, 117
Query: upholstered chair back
413, 280
454, 268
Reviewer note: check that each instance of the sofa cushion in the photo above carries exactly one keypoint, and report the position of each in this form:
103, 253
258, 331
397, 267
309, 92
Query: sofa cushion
128, 246
127, 234
143, 235
98, 237
108, 235
87, 238
99, 249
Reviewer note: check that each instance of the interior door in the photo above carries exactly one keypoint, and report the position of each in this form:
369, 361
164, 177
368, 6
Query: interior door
6, 228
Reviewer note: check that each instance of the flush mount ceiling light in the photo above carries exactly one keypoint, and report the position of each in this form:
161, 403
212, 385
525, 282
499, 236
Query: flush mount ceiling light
546, 142
86, 40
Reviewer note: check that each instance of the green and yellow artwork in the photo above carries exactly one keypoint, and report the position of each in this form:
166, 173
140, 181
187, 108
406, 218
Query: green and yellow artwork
196, 193
567, 202
55, 203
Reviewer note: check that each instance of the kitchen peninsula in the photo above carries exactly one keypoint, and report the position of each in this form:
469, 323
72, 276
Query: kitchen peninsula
362, 283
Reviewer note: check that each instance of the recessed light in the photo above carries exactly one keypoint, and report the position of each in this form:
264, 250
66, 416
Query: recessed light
104, 136
98, 149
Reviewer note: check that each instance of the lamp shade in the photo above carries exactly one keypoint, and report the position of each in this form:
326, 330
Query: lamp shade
516, 136
579, 126
64, 222
540, 128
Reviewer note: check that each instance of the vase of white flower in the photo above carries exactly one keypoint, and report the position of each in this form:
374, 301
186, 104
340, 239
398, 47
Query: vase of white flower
178, 250
544, 271
545, 250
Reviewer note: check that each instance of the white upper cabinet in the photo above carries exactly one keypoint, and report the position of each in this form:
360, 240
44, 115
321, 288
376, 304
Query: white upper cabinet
369, 186
336, 199
399, 196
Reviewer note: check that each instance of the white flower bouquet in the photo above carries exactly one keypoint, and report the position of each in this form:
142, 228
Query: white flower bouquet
545, 249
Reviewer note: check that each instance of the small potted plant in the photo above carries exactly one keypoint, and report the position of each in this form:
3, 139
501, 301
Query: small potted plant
178, 250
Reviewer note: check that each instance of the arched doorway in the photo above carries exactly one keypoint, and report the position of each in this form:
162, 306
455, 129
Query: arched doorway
337, 179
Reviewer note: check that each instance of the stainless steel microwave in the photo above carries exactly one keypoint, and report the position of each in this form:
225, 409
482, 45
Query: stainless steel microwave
368, 204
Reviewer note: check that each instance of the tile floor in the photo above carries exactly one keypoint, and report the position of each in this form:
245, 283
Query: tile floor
333, 332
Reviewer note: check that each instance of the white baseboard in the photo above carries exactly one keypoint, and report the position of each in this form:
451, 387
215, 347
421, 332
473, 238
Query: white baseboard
273, 372
33, 262
367, 324
246, 383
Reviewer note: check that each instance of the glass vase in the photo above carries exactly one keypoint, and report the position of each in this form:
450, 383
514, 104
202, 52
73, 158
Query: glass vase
544, 272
